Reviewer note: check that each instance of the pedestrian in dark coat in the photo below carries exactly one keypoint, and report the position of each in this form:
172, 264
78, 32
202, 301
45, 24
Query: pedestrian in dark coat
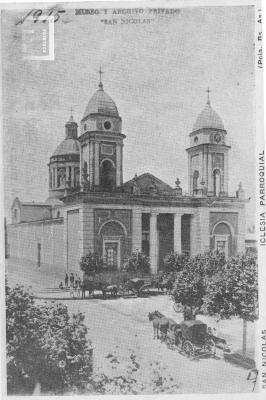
66, 280
72, 279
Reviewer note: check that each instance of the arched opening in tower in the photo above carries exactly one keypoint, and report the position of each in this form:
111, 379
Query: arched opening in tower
195, 182
216, 182
107, 175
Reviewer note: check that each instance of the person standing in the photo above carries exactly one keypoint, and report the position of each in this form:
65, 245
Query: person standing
72, 279
66, 280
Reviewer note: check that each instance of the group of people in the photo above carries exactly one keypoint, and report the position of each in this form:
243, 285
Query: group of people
73, 282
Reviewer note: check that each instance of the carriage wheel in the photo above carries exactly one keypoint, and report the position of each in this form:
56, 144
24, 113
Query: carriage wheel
188, 349
178, 307
210, 347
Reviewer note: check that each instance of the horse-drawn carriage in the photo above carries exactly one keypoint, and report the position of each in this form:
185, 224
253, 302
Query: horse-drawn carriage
192, 338
137, 287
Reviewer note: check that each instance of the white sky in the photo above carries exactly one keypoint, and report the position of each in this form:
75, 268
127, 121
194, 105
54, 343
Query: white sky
157, 74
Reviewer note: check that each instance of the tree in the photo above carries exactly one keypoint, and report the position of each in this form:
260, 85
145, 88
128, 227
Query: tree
91, 263
233, 291
138, 262
191, 281
174, 262
44, 346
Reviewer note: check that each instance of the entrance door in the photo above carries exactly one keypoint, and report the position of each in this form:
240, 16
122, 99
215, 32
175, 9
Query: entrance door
112, 254
221, 244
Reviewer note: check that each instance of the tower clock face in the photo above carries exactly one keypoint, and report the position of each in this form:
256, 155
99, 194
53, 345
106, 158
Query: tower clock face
217, 137
107, 125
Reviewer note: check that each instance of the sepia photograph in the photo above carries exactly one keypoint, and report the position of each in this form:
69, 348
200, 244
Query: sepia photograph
133, 198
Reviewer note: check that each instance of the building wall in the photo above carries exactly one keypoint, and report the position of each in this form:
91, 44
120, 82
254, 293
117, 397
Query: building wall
24, 239
73, 241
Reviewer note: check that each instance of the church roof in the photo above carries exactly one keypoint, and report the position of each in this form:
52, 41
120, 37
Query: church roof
101, 103
67, 146
208, 118
147, 183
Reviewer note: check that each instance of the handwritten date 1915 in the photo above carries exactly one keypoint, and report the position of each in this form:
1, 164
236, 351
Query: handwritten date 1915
35, 14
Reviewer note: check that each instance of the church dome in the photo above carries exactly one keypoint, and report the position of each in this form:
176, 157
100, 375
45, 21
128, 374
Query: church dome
101, 103
208, 118
68, 146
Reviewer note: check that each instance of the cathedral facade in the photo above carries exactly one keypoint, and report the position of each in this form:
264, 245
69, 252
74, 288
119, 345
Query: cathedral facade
90, 208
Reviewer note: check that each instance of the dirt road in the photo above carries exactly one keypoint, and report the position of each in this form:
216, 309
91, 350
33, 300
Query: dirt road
121, 328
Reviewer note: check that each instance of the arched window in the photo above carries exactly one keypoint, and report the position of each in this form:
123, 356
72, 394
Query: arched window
107, 175
216, 182
195, 182
58, 214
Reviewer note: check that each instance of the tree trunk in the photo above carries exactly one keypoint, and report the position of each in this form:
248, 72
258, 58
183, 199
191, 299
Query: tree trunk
244, 343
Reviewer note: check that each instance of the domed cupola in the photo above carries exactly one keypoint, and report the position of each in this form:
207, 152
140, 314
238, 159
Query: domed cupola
101, 103
101, 142
64, 165
101, 113
208, 118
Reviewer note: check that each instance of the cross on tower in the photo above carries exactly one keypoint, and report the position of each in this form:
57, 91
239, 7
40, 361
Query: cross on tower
71, 111
208, 98
100, 73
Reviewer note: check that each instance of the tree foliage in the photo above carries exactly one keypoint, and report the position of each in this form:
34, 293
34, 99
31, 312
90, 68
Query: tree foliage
233, 291
174, 262
137, 262
91, 264
191, 281
44, 345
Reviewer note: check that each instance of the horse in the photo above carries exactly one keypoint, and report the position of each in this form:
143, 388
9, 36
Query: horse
90, 286
159, 322
112, 289
162, 283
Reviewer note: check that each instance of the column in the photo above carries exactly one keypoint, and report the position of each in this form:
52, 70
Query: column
153, 242
204, 229
118, 165
67, 176
91, 163
189, 175
55, 177
81, 167
72, 176
97, 172
65, 240
226, 168
136, 230
177, 233
210, 180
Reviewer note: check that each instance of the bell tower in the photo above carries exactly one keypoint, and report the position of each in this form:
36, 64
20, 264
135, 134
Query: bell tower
208, 155
101, 143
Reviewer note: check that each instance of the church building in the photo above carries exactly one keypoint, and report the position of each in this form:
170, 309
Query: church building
90, 208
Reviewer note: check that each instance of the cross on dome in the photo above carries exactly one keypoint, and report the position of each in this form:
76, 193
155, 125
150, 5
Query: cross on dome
71, 114
208, 96
100, 73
